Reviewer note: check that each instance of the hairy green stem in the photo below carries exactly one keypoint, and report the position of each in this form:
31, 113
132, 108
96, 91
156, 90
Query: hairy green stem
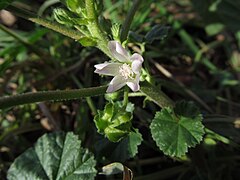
156, 95
59, 95
127, 23
125, 97
46, 23
95, 29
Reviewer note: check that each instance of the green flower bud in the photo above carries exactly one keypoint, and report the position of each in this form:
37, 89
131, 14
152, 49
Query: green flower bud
114, 121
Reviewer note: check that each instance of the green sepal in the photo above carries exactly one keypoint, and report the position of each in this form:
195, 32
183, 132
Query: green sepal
114, 134
68, 18
112, 96
86, 41
116, 31
75, 5
63, 16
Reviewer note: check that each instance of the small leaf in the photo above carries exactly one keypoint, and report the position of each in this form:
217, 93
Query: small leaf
213, 29
54, 156
5, 3
158, 32
174, 133
134, 140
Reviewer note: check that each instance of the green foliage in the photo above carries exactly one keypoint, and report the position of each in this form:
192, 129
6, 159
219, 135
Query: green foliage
134, 140
121, 151
54, 156
75, 5
213, 29
75, 15
116, 31
5, 3
158, 32
229, 12
68, 18
114, 121
63, 16
176, 130
85, 41
225, 12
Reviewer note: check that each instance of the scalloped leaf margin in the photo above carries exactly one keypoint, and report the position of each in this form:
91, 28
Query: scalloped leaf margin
175, 133
54, 156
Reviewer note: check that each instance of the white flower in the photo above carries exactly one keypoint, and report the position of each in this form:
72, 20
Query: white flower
126, 70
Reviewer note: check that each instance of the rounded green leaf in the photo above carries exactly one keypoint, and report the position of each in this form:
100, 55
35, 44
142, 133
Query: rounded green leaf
174, 133
55, 156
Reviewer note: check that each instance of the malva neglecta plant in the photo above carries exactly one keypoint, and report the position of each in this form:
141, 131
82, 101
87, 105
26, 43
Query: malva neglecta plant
175, 128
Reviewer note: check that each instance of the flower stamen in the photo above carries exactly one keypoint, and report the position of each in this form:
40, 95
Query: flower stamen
126, 72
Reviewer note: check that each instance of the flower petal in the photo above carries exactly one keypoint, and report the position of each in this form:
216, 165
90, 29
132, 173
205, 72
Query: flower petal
118, 51
134, 84
109, 69
117, 83
137, 61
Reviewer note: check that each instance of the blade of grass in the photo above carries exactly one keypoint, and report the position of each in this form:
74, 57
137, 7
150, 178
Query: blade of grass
128, 21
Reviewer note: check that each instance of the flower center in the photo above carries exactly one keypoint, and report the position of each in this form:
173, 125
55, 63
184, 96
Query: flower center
126, 71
